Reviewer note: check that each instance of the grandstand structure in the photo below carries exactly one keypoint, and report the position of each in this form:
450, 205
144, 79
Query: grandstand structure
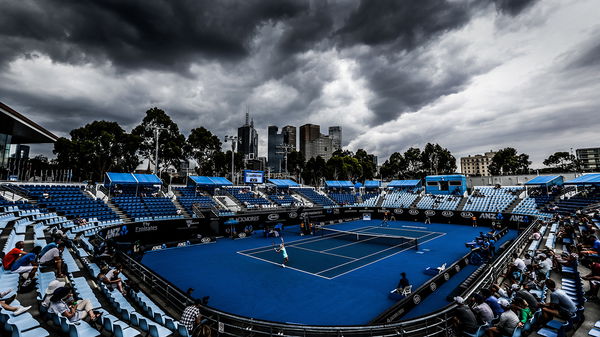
142, 208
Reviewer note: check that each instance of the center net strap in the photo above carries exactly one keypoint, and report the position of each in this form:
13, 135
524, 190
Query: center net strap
380, 239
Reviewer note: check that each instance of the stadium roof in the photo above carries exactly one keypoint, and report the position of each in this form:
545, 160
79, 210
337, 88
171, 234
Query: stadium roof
372, 183
588, 179
544, 180
132, 179
22, 129
210, 181
404, 183
339, 183
283, 183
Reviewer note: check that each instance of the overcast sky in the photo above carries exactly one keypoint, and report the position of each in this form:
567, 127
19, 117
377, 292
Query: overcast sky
470, 75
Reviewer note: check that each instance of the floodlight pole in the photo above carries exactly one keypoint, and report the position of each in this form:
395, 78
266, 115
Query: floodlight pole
233, 140
285, 149
156, 129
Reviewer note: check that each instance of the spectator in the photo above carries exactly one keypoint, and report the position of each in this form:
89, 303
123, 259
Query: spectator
492, 301
594, 280
52, 286
524, 294
544, 265
13, 255
464, 320
561, 305
508, 321
5, 303
111, 279
52, 258
482, 310
63, 303
525, 313
191, 316
403, 283
27, 264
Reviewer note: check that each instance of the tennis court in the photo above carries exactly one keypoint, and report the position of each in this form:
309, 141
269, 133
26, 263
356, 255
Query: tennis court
330, 280
332, 253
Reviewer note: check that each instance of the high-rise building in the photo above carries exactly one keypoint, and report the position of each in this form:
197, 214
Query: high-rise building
477, 165
308, 133
274, 141
248, 138
335, 132
589, 158
289, 136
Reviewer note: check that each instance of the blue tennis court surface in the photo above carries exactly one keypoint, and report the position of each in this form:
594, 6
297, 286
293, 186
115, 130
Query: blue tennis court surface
328, 282
330, 255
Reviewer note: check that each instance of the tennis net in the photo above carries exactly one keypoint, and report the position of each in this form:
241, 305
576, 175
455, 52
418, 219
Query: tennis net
380, 239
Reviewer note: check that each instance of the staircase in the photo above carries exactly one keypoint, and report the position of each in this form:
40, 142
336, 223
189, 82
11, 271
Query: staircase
380, 199
416, 202
512, 205
461, 204
118, 211
178, 205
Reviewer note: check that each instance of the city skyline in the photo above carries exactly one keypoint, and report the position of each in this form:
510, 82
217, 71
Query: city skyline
469, 75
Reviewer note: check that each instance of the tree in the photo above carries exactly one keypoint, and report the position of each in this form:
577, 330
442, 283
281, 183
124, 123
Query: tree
170, 141
296, 163
507, 161
343, 168
314, 171
367, 163
203, 147
414, 164
562, 162
437, 160
395, 167
223, 163
97, 148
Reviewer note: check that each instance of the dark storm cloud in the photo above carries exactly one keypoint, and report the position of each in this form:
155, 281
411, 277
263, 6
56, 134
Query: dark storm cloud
587, 55
136, 34
513, 7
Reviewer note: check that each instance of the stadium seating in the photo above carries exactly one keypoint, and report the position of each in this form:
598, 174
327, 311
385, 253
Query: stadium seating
189, 197
399, 199
529, 206
248, 198
146, 208
443, 202
315, 197
343, 199
578, 201
492, 199
69, 200
369, 199
282, 199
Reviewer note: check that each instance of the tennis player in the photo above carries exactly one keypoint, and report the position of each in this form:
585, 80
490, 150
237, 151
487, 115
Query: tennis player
384, 223
283, 253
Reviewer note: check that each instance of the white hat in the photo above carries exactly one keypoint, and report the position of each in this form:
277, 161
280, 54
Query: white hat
459, 300
515, 286
53, 285
504, 303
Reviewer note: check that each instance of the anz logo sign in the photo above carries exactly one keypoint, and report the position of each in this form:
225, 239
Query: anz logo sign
448, 214
273, 216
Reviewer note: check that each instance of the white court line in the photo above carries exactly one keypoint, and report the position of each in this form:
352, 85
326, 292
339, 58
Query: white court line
344, 273
348, 244
323, 252
286, 267
419, 227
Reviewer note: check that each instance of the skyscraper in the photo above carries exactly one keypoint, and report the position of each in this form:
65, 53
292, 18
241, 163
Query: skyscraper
274, 141
248, 138
335, 132
289, 136
308, 133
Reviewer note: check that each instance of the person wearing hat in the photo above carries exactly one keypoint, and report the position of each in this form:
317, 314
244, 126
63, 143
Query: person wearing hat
63, 303
482, 310
507, 323
5, 303
464, 320
52, 286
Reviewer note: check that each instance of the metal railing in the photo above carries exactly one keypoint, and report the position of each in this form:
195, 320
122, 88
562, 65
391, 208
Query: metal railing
226, 324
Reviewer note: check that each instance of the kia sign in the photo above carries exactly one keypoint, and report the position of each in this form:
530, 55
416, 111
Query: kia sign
448, 214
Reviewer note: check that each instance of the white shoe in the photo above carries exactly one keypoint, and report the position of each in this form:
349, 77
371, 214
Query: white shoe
4, 293
26, 283
283, 265
21, 310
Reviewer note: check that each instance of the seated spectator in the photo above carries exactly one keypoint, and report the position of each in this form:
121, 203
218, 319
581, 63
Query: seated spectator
13, 255
403, 283
544, 265
52, 258
594, 279
561, 305
27, 264
464, 320
492, 301
52, 286
5, 303
63, 303
49, 246
525, 313
111, 278
508, 321
482, 310
524, 294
